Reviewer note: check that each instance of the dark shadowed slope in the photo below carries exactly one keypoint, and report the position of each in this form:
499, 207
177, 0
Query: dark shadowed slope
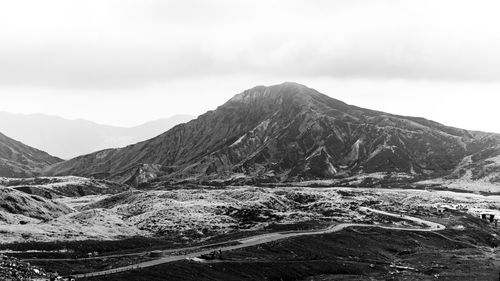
287, 132
20, 160
70, 138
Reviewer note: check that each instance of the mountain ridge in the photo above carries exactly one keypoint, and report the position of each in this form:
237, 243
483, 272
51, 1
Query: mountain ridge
70, 138
20, 160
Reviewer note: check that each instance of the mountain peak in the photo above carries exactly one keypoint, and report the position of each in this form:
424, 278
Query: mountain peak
291, 85
274, 91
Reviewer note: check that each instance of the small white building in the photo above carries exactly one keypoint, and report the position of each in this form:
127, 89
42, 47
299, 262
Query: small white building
443, 208
486, 214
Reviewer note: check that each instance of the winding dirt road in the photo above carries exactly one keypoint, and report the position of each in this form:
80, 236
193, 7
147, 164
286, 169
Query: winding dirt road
270, 237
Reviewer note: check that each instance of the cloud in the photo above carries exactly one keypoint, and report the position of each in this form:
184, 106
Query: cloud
127, 44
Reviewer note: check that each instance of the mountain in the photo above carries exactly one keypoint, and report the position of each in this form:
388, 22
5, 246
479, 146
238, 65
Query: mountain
288, 132
69, 138
20, 160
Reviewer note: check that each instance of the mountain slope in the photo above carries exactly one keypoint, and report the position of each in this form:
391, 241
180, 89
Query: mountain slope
17, 205
20, 160
69, 138
287, 132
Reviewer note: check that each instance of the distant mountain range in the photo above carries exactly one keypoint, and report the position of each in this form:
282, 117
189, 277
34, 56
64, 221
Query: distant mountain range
70, 138
20, 160
289, 132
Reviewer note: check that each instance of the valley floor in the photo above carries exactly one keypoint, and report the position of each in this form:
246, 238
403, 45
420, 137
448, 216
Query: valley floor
269, 234
271, 237
194, 215
344, 253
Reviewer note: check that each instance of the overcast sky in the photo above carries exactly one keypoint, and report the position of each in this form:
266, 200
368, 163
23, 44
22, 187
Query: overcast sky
127, 62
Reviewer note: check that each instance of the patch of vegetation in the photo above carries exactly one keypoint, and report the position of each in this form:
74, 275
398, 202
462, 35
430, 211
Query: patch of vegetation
79, 249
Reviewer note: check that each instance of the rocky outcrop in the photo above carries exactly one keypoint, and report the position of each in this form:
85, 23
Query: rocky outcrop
12, 269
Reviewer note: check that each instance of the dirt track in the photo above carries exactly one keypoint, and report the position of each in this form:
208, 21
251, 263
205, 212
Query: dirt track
270, 237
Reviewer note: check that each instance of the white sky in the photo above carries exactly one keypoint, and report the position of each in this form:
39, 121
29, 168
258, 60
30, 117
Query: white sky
126, 62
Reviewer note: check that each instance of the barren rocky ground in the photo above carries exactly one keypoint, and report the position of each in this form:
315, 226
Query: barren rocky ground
197, 214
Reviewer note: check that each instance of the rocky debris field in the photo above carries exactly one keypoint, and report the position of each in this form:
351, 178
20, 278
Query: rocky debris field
197, 214
12, 269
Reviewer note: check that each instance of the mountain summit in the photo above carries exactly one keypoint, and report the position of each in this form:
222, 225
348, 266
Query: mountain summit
287, 132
